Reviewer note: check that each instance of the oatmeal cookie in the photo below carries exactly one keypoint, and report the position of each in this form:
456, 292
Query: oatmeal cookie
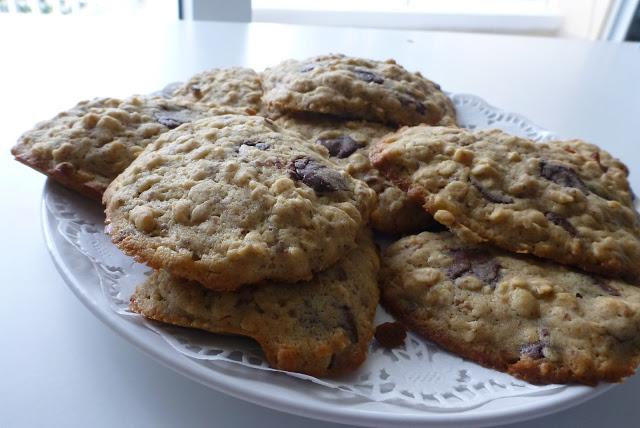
567, 201
232, 200
322, 327
86, 147
541, 322
348, 143
231, 87
355, 88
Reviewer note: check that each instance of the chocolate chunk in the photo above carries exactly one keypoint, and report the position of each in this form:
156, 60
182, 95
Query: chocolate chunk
319, 177
340, 147
391, 334
196, 91
558, 220
368, 76
257, 144
407, 102
475, 262
606, 286
533, 350
562, 175
307, 68
495, 196
172, 118
421, 108
488, 272
349, 325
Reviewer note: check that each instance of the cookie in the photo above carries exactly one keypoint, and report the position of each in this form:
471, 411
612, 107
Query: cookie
568, 201
322, 327
539, 321
355, 88
232, 200
86, 147
232, 87
348, 143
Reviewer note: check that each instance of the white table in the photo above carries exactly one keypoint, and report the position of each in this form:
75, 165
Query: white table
59, 366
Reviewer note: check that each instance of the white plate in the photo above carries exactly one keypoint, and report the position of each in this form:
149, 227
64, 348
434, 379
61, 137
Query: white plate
418, 385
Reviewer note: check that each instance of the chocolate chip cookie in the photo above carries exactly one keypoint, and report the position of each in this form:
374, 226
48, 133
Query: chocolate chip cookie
348, 143
355, 88
536, 320
567, 201
232, 200
86, 147
322, 327
232, 87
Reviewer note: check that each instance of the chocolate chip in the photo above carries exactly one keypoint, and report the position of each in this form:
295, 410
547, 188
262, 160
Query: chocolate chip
368, 76
65, 168
391, 334
172, 118
558, 220
349, 324
562, 175
340, 147
281, 247
533, 350
257, 144
271, 124
307, 68
196, 91
319, 177
244, 297
606, 286
332, 361
495, 196
341, 274
408, 102
475, 262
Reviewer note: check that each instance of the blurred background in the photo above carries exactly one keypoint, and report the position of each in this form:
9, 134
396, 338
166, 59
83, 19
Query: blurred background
616, 20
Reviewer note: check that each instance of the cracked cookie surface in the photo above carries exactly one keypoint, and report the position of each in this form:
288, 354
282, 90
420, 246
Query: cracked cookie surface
536, 320
233, 87
355, 88
86, 147
349, 143
322, 327
568, 201
232, 200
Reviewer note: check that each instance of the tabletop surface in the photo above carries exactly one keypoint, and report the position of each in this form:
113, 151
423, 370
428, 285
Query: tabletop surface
60, 366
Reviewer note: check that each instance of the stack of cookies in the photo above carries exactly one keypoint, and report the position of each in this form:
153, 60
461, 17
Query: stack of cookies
565, 315
256, 197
